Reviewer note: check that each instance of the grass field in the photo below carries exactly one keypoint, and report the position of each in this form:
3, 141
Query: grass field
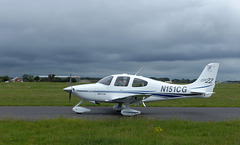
51, 94
132, 131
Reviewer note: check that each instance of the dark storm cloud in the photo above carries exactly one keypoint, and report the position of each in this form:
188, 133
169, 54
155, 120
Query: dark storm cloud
98, 38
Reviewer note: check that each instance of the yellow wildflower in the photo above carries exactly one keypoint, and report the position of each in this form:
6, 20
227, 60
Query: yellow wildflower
158, 129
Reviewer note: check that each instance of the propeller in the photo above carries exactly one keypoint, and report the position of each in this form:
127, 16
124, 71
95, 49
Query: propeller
70, 95
69, 89
70, 84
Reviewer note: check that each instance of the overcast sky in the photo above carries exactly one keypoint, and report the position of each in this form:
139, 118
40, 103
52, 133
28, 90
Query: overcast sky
96, 38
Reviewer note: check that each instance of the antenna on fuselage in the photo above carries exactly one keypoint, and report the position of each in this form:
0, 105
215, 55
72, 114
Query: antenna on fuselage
138, 71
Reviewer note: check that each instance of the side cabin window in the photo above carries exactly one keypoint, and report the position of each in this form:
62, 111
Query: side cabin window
139, 83
106, 80
122, 81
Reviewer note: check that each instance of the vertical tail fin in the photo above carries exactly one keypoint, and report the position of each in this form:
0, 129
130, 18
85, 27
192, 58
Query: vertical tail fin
206, 81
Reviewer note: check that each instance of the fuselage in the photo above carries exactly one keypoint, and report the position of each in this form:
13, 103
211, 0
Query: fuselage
132, 89
115, 88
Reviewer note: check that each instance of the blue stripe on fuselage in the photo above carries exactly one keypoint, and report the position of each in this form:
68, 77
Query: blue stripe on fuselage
201, 87
138, 93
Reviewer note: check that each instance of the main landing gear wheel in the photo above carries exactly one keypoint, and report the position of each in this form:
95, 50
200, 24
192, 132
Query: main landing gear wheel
129, 112
119, 107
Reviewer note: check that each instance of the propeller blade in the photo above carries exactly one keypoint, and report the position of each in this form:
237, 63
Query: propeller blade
70, 95
70, 82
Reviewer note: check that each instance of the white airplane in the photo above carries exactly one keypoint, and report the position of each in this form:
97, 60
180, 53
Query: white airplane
132, 89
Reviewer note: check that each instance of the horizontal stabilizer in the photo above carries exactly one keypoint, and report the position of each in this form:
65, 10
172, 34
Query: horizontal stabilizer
201, 92
198, 91
209, 93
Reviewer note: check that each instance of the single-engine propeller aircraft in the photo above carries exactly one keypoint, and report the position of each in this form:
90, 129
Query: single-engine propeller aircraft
132, 89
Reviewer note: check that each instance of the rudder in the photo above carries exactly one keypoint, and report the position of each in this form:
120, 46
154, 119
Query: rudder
206, 81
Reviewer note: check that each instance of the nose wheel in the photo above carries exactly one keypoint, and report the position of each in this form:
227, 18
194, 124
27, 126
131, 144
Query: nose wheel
80, 110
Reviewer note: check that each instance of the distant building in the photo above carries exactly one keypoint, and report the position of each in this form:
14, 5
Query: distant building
170, 82
85, 81
63, 77
231, 82
16, 80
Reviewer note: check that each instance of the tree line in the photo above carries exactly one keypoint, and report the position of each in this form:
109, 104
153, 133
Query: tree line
31, 78
4, 78
52, 78
175, 81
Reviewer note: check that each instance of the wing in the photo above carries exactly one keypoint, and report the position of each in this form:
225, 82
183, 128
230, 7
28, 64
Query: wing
129, 97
